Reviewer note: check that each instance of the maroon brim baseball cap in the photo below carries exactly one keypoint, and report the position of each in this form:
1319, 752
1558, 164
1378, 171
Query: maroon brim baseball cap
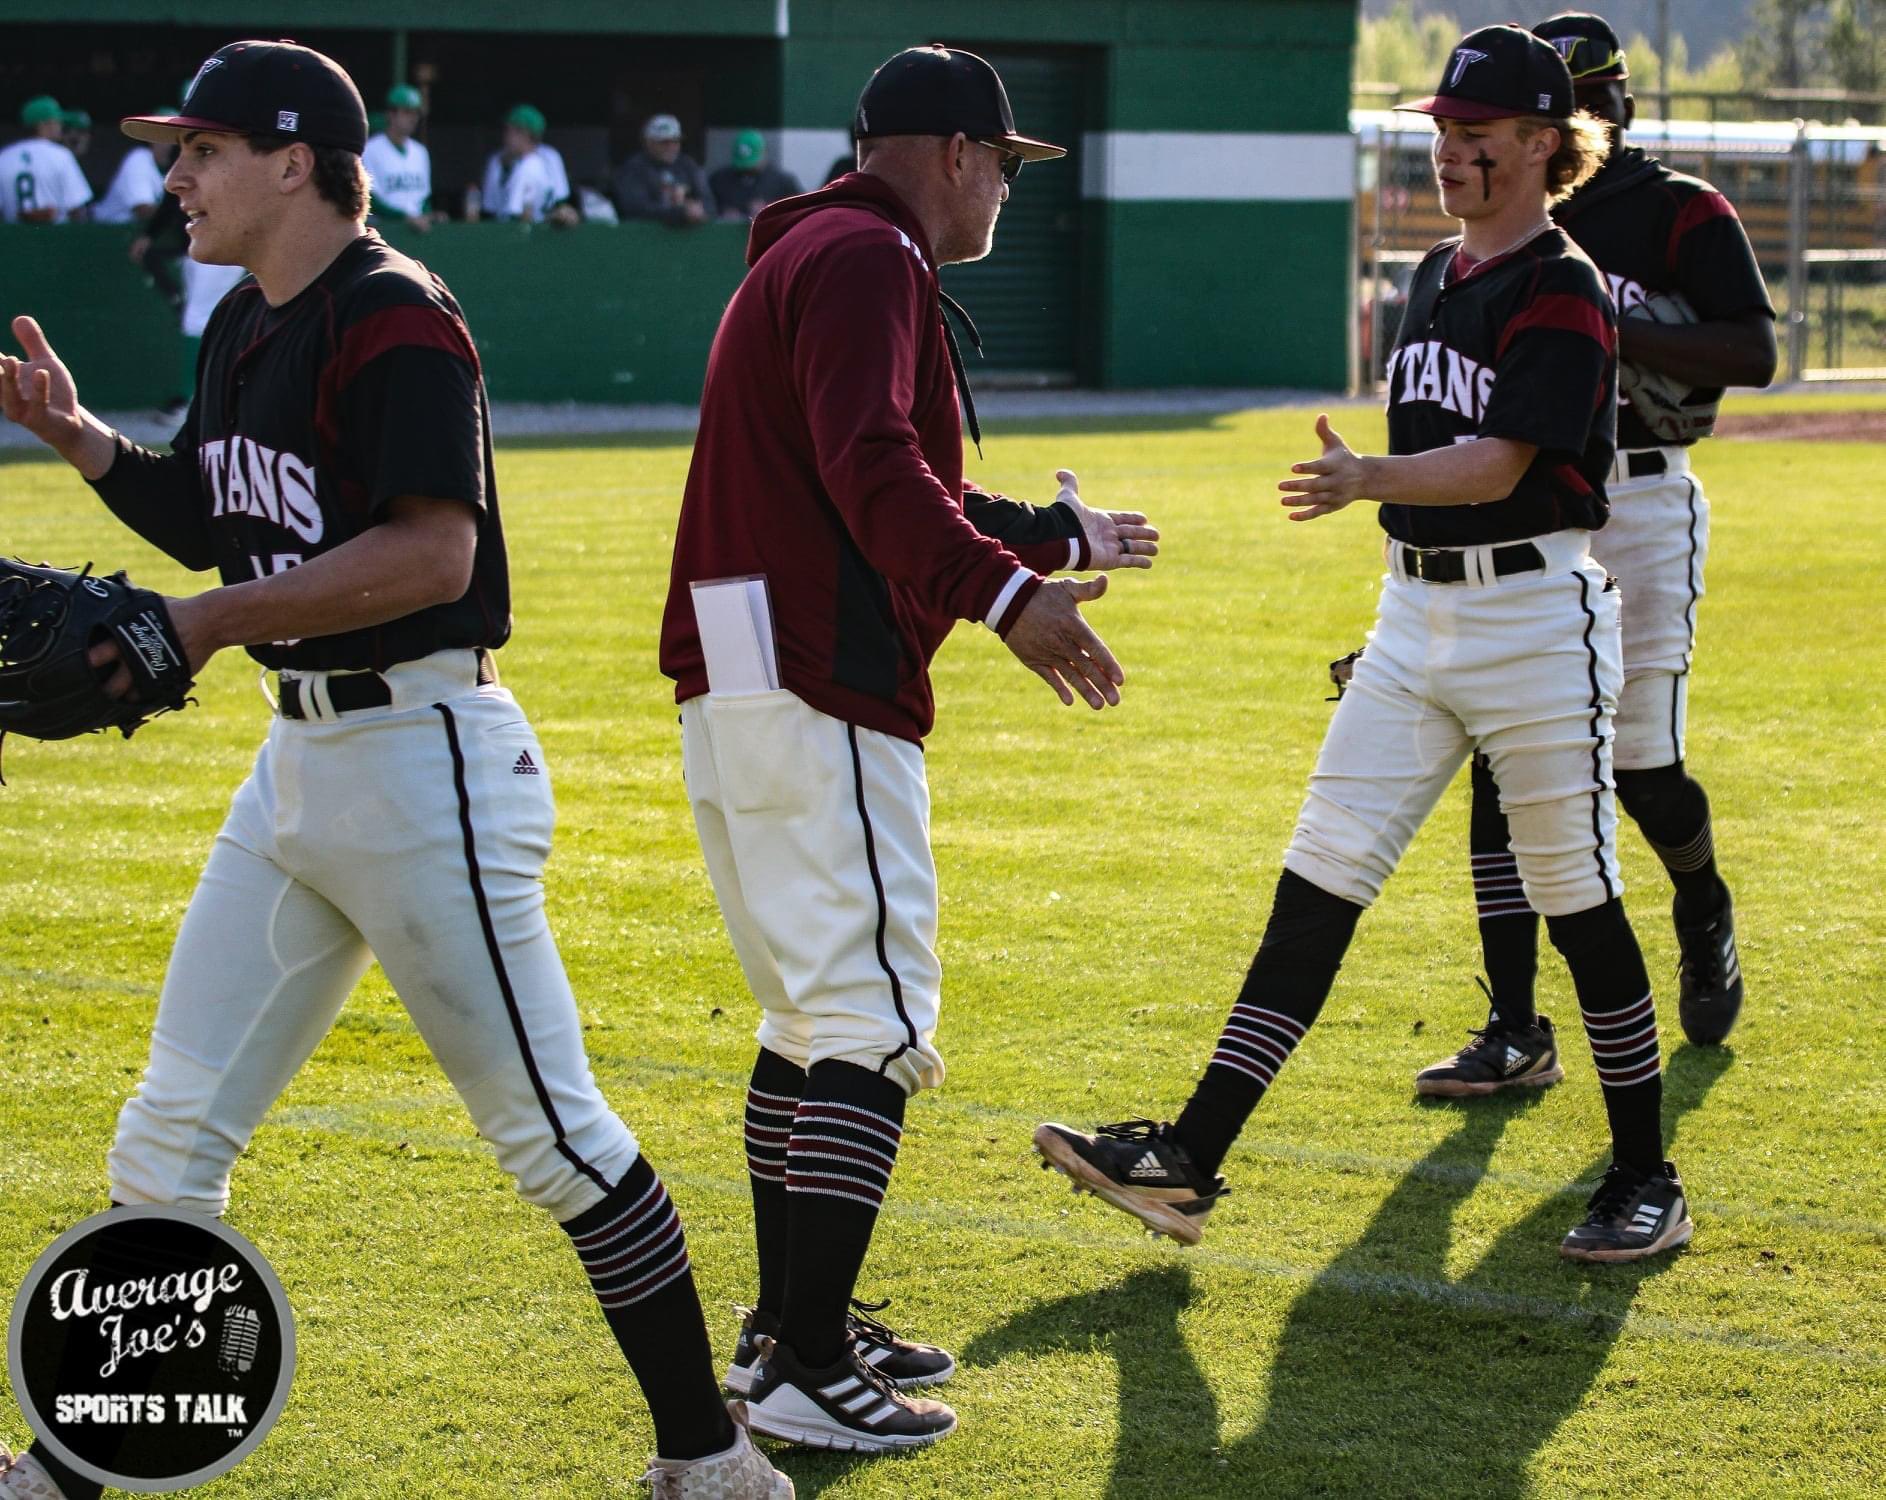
274, 89
1500, 73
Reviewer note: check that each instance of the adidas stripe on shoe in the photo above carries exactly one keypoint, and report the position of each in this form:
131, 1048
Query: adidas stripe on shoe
847, 1406
1631, 1217
907, 1364
1498, 1057
1137, 1166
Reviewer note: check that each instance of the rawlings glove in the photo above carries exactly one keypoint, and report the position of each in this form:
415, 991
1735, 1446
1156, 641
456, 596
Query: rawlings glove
1662, 401
49, 621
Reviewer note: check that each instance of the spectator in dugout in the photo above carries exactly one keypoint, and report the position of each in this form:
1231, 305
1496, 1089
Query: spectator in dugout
661, 181
40, 179
525, 179
137, 187
751, 182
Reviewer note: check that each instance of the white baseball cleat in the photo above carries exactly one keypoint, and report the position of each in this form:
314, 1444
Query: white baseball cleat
22, 1478
740, 1473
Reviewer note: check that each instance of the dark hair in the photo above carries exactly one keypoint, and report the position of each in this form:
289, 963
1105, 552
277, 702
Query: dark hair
339, 177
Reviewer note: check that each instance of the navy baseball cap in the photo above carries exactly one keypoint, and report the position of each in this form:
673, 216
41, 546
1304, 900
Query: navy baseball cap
1591, 49
1497, 73
939, 90
277, 89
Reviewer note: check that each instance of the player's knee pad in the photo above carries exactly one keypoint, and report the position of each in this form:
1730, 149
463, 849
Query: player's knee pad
1655, 797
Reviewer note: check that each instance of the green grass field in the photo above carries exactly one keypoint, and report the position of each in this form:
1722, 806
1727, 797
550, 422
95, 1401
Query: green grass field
1378, 1310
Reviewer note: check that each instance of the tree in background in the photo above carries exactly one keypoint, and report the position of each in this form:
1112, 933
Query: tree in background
1853, 45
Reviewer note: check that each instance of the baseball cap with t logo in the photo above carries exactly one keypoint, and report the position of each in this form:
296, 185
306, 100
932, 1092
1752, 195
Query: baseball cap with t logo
277, 89
1498, 73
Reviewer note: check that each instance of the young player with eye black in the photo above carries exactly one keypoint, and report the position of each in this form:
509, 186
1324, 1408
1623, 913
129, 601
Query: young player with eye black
1496, 634
1670, 246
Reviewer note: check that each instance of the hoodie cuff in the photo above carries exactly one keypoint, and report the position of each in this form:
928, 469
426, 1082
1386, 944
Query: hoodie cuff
1013, 599
1078, 555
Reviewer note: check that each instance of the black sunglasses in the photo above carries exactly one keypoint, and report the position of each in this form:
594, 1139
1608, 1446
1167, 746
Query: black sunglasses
1011, 160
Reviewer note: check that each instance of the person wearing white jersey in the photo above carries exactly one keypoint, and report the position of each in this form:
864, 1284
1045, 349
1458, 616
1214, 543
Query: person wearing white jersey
399, 166
40, 178
137, 187
526, 179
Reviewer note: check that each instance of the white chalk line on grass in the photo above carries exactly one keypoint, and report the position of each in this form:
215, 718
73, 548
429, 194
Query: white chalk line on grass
1316, 1157
1381, 1284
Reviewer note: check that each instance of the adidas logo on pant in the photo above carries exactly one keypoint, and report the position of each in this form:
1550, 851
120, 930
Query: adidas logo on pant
525, 766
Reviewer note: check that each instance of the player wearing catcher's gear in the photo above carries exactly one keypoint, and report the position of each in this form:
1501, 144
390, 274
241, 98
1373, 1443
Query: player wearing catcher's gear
830, 461
1655, 234
336, 469
1496, 633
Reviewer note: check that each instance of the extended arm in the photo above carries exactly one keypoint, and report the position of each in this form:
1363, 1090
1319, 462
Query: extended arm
1473, 473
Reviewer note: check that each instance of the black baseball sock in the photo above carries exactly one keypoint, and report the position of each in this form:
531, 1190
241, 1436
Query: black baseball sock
1672, 810
772, 1100
71, 1485
1296, 963
844, 1144
632, 1246
1509, 928
1621, 1022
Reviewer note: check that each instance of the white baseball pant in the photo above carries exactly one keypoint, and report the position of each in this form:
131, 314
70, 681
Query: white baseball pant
817, 839
416, 834
1655, 545
1524, 668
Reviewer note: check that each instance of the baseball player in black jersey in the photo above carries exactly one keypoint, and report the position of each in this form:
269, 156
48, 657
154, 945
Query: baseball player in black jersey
335, 468
1496, 634
1670, 246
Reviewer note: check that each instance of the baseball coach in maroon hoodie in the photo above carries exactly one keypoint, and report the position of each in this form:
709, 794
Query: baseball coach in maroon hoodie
826, 546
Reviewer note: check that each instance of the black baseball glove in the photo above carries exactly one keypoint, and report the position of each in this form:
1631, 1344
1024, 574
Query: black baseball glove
49, 620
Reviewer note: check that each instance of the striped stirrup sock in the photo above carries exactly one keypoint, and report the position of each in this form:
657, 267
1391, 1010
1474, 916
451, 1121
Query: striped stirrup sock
1257, 1042
635, 1248
1624, 1043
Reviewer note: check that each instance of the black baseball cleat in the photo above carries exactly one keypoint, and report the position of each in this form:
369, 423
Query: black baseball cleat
1499, 1057
1631, 1217
848, 1405
1138, 1166
905, 1363
1709, 976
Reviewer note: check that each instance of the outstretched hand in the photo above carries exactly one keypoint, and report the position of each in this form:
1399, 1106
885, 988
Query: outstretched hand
37, 392
1056, 644
1115, 538
1333, 480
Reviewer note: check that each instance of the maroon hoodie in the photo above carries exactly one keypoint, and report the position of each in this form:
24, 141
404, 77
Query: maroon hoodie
830, 459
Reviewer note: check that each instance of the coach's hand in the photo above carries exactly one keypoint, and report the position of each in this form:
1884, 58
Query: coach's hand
1115, 538
38, 392
1334, 480
1059, 647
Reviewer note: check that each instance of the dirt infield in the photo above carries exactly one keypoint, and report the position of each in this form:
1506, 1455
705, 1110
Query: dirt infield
1803, 426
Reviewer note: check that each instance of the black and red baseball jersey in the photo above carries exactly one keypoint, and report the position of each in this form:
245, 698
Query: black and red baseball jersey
1522, 346
1654, 230
309, 419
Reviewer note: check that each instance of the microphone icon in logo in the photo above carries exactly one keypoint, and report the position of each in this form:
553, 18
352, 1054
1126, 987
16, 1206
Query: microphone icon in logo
242, 1331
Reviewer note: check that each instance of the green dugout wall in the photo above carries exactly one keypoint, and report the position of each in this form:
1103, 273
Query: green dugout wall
1198, 235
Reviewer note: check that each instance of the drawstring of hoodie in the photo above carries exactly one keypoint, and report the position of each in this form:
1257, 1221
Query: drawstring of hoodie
951, 306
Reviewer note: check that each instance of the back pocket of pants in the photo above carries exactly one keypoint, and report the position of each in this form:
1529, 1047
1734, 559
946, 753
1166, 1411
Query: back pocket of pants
762, 751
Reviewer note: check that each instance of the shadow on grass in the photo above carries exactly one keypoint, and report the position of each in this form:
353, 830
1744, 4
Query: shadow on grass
1391, 1375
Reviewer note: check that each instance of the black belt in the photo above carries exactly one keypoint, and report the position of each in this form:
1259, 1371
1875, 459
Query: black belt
1643, 465
1445, 565
349, 692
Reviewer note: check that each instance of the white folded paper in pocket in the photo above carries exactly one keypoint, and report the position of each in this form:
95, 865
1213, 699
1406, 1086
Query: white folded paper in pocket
735, 619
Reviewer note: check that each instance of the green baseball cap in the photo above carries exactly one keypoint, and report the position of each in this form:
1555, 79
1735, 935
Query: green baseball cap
39, 111
76, 119
403, 96
527, 117
749, 149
